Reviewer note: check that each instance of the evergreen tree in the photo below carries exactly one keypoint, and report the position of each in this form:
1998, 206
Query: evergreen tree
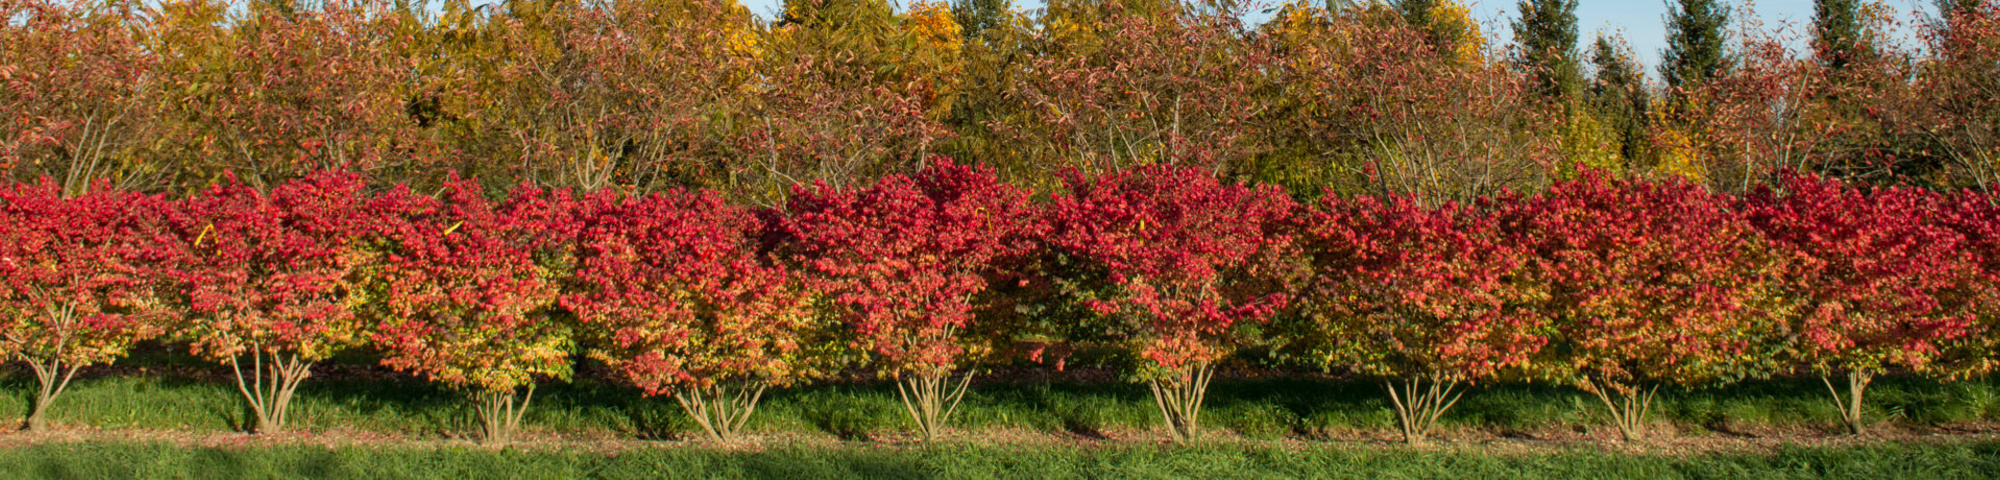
1546, 33
1837, 34
1618, 94
1697, 47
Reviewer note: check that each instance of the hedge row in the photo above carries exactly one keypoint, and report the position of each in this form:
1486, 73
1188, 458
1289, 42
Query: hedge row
1616, 286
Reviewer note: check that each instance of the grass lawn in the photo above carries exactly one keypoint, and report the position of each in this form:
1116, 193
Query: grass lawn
163, 415
152, 460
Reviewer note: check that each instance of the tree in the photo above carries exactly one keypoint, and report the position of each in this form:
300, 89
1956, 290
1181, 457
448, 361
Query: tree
1649, 284
1179, 260
276, 90
975, 17
1426, 297
1874, 277
1368, 107
1618, 93
851, 92
80, 91
466, 290
1118, 86
623, 94
903, 260
77, 280
1697, 47
1960, 92
273, 277
1838, 35
683, 303
1546, 33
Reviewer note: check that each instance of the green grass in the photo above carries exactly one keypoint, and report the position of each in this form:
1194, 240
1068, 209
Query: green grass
115, 460
1257, 409
176, 392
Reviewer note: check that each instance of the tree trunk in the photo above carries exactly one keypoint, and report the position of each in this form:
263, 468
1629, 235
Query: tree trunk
500, 414
1419, 403
721, 410
930, 398
53, 376
270, 398
1180, 398
1629, 408
1850, 403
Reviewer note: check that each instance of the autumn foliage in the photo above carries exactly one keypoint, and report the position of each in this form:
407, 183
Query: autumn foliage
707, 203
1180, 260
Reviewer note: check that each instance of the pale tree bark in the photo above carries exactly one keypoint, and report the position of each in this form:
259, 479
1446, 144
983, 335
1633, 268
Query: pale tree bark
930, 398
1179, 399
270, 398
1629, 408
1849, 403
1419, 401
500, 414
722, 410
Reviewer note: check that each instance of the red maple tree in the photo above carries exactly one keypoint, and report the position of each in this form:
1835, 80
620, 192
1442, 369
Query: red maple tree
77, 280
1649, 284
1183, 259
688, 305
1427, 297
904, 259
1874, 277
465, 290
273, 277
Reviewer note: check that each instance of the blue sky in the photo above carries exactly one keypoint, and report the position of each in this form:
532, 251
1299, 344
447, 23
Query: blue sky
1641, 21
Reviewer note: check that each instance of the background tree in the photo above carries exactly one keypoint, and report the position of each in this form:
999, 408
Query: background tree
1428, 298
1649, 284
81, 280
685, 304
1837, 32
903, 260
1874, 278
275, 90
81, 93
1116, 86
1184, 260
465, 293
1697, 44
1371, 110
1619, 96
273, 277
1546, 33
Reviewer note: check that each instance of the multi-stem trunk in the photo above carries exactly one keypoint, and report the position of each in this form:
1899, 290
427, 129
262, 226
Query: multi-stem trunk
930, 398
720, 409
500, 414
53, 375
1850, 403
1419, 401
270, 386
1179, 399
1628, 406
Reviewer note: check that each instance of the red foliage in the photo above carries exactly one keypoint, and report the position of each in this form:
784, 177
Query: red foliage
1649, 283
79, 279
465, 285
676, 282
1186, 257
270, 273
905, 257
1405, 290
1874, 276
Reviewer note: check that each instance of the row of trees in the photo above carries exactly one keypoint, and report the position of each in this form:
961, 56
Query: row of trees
1406, 97
1615, 286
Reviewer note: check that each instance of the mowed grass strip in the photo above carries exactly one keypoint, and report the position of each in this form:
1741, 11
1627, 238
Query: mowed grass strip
1286, 408
116, 460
